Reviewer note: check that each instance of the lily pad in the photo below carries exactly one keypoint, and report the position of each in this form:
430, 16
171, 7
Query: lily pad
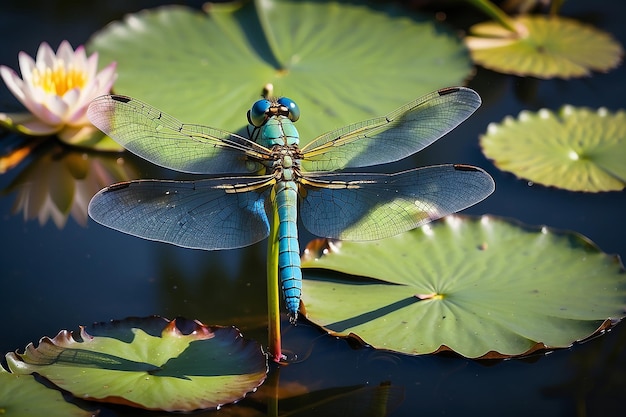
578, 149
149, 363
22, 395
482, 287
544, 47
333, 59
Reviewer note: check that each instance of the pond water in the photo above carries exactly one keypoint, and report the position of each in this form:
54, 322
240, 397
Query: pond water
57, 278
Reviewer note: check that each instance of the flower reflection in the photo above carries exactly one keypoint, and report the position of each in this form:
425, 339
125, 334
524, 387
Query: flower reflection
57, 89
60, 181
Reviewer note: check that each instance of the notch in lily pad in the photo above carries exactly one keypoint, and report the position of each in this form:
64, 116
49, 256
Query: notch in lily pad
574, 148
150, 363
483, 287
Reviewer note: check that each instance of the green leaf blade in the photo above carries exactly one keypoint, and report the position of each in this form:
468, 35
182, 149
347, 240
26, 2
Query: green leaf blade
544, 47
577, 149
172, 371
482, 287
333, 59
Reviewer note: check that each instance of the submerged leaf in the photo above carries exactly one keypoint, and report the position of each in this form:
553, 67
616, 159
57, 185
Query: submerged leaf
172, 370
334, 60
481, 287
544, 47
577, 149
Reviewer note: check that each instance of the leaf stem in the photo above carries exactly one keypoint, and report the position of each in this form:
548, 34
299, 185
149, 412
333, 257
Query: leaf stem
273, 298
495, 13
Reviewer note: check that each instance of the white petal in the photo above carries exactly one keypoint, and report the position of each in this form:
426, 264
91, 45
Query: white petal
13, 81
45, 57
91, 66
35, 101
57, 108
51, 110
80, 58
77, 108
27, 64
34, 97
71, 97
106, 78
65, 52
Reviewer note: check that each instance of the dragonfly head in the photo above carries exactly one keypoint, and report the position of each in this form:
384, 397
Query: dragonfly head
264, 109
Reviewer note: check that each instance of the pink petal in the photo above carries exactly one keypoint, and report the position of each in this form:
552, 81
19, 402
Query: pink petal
36, 127
35, 99
99, 86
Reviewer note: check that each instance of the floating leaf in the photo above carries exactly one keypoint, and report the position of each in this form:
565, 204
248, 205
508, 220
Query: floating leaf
334, 60
22, 395
544, 47
482, 287
577, 149
149, 363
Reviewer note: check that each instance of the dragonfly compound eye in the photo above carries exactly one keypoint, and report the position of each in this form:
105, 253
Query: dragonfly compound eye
256, 115
294, 110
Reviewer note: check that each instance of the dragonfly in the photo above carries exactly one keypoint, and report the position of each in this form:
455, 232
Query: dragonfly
269, 172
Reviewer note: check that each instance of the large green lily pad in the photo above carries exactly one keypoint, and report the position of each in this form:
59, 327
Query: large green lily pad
22, 395
544, 47
340, 62
482, 287
578, 149
149, 363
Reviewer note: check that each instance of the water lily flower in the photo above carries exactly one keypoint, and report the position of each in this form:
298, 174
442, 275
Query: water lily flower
56, 89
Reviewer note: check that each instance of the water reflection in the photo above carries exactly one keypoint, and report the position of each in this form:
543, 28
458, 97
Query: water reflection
217, 287
57, 181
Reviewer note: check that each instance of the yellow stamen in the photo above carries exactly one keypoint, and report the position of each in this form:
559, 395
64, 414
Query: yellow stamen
60, 79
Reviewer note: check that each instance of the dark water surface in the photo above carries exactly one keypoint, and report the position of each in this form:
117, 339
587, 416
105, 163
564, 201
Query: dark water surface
53, 279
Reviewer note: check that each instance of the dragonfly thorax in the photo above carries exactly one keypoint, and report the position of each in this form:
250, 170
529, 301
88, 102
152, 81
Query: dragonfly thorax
285, 162
279, 131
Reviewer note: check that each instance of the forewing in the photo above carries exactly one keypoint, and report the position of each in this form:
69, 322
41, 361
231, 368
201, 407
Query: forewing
165, 141
376, 206
222, 213
397, 135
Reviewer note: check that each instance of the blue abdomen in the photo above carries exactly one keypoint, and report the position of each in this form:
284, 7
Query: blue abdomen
289, 250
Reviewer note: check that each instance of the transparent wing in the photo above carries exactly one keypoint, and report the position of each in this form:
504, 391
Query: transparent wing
397, 135
165, 141
375, 206
221, 213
